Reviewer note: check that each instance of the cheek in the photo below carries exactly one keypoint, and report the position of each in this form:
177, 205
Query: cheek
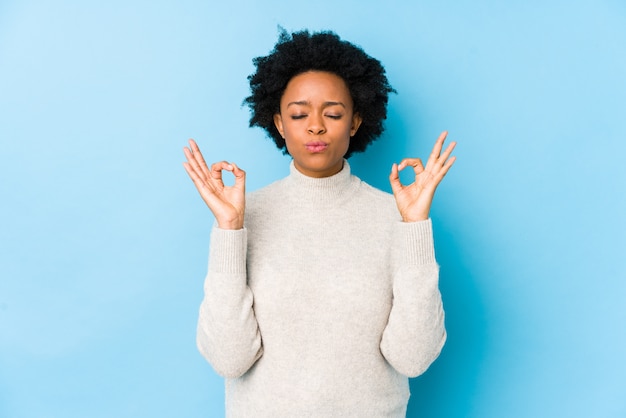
288, 128
345, 143
349, 131
288, 143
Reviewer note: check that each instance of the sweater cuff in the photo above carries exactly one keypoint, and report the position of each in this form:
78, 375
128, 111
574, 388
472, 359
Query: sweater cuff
417, 244
227, 251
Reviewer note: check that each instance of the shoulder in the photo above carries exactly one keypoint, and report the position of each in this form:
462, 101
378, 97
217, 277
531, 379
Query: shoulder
377, 200
265, 191
265, 196
374, 193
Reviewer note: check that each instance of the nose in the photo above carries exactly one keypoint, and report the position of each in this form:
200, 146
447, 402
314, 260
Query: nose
316, 125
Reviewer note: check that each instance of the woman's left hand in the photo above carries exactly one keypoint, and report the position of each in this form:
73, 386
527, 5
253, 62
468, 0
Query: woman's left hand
414, 200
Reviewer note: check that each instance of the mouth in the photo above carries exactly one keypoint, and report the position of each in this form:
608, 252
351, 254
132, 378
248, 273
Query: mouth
316, 146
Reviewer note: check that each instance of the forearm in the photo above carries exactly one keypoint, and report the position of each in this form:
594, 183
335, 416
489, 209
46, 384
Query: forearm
228, 334
415, 332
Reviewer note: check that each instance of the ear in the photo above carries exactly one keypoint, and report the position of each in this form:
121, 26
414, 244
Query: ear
278, 121
356, 122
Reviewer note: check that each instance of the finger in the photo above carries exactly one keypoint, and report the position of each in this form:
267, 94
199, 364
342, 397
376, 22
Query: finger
444, 170
434, 155
217, 168
240, 176
394, 179
194, 165
199, 157
199, 182
446, 167
191, 172
410, 162
446, 154
416, 163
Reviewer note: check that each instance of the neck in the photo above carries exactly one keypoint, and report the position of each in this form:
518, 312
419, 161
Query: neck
327, 189
328, 172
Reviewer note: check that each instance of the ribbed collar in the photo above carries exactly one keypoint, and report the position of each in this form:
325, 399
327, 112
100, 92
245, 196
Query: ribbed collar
326, 189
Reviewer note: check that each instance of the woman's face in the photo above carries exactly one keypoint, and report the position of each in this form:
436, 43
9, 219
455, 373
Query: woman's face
317, 120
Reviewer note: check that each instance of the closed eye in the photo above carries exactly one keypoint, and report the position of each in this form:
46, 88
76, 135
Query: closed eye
296, 117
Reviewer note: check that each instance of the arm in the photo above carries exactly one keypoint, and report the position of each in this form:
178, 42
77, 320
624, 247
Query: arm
415, 332
228, 334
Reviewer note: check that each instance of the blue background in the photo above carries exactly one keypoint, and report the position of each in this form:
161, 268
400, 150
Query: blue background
104, 240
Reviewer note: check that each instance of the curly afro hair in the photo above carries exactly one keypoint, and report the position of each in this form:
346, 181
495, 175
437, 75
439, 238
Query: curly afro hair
322, 51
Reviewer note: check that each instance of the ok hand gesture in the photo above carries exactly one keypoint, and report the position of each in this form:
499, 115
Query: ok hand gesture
226, 202
414, 200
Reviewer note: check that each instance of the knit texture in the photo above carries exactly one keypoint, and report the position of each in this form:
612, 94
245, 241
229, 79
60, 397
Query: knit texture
323, 304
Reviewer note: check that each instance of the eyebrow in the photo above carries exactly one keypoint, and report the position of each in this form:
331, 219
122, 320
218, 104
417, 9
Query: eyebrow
307, 103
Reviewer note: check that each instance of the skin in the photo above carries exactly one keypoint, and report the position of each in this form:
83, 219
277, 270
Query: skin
414, 200
317, 120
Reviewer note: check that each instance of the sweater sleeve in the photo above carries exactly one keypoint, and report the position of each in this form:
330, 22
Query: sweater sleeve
228, 334
415, 332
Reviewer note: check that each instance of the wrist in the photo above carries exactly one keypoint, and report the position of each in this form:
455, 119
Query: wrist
414, 219
230, 225
417, 216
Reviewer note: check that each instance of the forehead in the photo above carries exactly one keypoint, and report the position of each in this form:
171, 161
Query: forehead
321, 85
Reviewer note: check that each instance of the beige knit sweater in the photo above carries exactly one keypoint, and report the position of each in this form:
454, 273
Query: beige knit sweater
323, 304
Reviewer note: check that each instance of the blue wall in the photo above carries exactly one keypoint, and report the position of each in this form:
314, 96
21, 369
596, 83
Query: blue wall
103, 239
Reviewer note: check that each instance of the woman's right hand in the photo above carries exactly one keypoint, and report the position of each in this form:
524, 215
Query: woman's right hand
226, 202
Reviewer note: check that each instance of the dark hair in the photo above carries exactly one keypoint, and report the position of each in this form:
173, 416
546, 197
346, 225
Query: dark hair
322, 51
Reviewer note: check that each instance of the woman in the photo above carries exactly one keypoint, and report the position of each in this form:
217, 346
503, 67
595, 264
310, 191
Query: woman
322, 295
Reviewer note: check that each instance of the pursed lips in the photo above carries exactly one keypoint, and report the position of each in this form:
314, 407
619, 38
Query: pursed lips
316, 146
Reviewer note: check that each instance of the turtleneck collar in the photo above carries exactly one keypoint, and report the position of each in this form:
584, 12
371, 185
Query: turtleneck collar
324, 189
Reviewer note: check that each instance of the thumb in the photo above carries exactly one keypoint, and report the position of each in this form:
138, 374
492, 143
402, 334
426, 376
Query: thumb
394, 179
240, 176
